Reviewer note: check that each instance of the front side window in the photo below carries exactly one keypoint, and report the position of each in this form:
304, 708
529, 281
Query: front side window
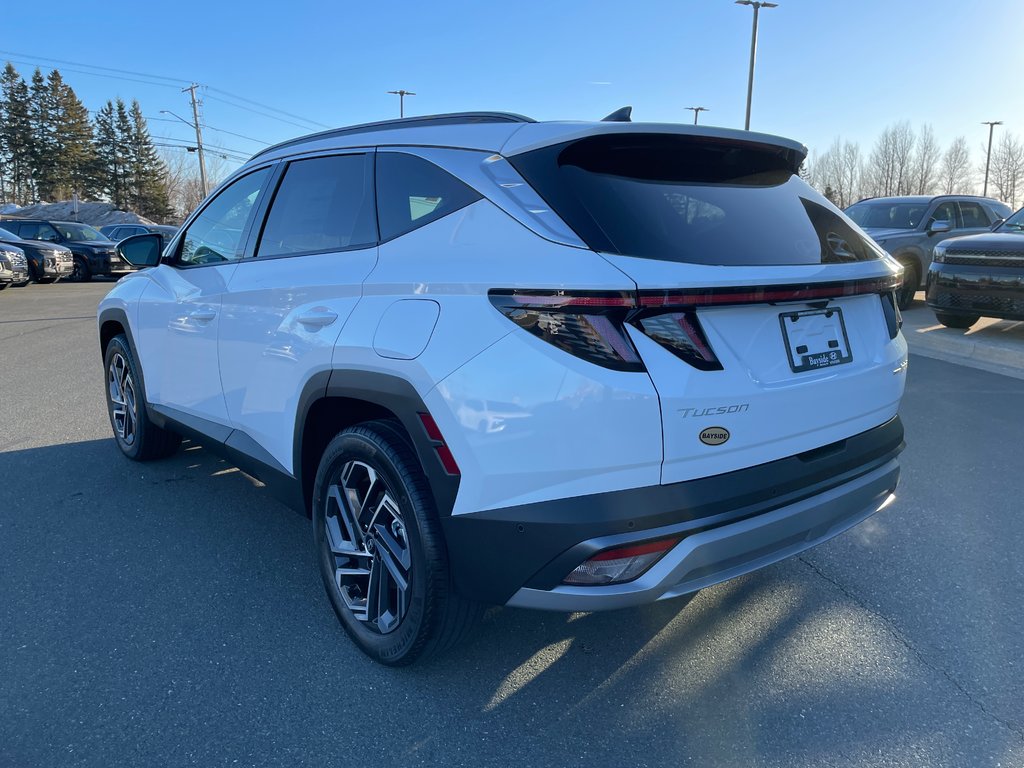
215, 235
945, 212
412, 192
322, 204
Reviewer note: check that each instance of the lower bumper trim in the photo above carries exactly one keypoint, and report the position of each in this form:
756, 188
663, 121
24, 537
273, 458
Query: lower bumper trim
718, 554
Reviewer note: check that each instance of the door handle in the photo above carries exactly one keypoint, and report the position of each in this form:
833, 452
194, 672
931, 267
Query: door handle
204, 315
318, 318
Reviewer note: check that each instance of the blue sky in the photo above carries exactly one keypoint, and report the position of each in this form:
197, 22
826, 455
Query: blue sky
825, 68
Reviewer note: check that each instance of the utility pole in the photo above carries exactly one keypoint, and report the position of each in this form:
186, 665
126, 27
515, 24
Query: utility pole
696, 112
199, 137
757, 5
401, 93
991, 125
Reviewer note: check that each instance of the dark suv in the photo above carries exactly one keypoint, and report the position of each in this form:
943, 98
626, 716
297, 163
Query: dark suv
47, 262
909, 227
118, 232
93, 253
981, 275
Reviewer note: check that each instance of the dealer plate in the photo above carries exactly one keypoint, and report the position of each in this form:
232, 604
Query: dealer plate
815, 338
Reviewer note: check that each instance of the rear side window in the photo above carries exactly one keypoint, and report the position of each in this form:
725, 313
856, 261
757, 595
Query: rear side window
323, 204
974, 215
412, 192
691, 200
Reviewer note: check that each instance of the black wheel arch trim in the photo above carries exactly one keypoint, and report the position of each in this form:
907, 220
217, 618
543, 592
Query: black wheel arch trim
401, 398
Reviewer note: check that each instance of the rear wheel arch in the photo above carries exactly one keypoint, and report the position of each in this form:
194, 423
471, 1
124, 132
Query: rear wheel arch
334, 400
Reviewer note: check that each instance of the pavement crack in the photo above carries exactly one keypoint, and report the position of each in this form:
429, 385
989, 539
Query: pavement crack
1014, 728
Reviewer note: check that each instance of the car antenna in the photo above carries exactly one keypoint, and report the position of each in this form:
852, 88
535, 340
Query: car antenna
619, 116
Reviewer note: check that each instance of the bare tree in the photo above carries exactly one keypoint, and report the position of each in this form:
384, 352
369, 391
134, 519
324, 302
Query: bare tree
184, 186
955, 173
903, 150
926, 158
852, 171
1007, 169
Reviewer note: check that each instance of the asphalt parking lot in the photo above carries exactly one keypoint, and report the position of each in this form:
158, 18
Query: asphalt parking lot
170, 614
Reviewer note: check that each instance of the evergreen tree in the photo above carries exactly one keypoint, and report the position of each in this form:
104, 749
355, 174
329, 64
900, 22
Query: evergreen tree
15, 136
148, 193
44, 169
111, 164
73, 151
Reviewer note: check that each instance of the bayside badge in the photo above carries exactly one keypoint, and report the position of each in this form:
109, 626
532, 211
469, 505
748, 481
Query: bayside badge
714, 435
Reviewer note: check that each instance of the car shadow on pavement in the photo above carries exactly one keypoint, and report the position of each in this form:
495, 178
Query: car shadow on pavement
180, 592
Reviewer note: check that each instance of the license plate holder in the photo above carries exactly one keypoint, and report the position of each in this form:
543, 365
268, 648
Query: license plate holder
815, 338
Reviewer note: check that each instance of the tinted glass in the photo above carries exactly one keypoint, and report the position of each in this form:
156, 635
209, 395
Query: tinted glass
216, 234
674, 198
888, 215
945, 212
412, 192
974, 215
80, 232
323, 204
7, 234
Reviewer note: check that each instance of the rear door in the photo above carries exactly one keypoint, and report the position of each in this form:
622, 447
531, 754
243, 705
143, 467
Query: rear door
285, 307
763, 318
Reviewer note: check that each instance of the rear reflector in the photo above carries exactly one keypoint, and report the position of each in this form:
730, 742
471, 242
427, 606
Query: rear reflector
614, 566
441, 448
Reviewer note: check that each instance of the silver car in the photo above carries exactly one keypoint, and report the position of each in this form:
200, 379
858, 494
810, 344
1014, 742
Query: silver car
909, 227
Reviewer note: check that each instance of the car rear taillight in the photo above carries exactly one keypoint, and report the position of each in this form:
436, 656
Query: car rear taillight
680, 333
614, 566
891, 310
587, 324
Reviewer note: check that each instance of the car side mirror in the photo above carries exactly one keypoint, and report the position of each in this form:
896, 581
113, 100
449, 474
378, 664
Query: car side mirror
939, 226
141, 250
996, 224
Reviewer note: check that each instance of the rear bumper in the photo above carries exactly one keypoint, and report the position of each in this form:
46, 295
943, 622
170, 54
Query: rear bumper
731, 523
722, 553
976, 290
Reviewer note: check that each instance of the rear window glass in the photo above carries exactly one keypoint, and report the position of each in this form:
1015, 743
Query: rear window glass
323, 204
412, 192
691, 200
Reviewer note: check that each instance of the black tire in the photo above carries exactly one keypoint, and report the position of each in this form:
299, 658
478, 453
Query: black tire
911, 283
3, 285
956, 321
138, 438
80, 273
427, 617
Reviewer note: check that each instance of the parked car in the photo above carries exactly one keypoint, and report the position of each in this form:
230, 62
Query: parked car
979, 275
117, 232
908, 228
683, 396
93, 253
13, 266
47, 262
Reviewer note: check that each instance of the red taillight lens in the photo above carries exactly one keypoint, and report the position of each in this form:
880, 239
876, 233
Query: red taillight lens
614, 566
584, 324
680, 333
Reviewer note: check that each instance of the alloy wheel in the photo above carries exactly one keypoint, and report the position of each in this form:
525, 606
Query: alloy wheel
369, 547
121, 390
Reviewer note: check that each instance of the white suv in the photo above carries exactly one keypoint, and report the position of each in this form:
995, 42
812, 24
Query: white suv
563, 365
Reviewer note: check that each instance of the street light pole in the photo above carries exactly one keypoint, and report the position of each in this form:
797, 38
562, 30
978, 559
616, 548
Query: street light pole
757, 5
401, 93
696, 112
988, 157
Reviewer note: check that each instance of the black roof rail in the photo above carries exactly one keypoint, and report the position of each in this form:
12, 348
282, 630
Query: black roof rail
451, 118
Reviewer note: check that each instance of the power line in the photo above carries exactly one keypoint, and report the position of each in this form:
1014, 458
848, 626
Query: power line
96, 66
264, 114
266, 106
96, 74
211, 128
